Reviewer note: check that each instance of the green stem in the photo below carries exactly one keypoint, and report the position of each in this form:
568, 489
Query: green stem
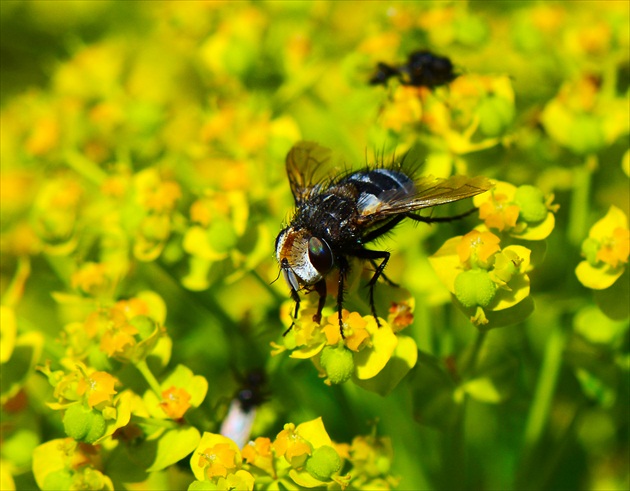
455, 446
579, 210
143, 368
15, 290
470, 362
162, 423
552, 462
543, 398
85, 167
546, 387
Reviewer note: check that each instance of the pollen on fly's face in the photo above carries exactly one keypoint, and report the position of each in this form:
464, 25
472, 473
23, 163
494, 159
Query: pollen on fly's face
422, 69
336, 216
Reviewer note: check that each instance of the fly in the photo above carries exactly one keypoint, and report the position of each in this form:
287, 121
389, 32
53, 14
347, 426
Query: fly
337, 216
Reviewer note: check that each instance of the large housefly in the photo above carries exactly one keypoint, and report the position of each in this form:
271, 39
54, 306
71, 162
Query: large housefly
336, 217
423, 69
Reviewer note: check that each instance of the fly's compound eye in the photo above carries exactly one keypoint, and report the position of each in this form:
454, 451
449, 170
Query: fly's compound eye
320, 255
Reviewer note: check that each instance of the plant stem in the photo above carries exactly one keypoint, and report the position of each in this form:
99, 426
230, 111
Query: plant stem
578, 212
543, 397
455, 446
143, 368
163, 423
85, 167
470, 362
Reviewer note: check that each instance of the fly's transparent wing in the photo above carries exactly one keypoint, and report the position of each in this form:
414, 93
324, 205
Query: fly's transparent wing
429, 191
238, 423
309, 165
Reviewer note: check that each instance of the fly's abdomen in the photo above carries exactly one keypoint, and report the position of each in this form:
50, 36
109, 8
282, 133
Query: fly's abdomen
380, 186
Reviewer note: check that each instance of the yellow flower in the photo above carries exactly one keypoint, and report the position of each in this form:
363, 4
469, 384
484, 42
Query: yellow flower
476, 248
497, 208
239, 481
91, 279
218, 460
499, 213
290, 445
99, 387
606, 250
615, 248
404, 109
371, 455
353, 329
258, 453
119, 334
175, 402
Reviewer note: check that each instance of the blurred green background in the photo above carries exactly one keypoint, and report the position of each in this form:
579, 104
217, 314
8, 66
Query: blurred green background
99, 97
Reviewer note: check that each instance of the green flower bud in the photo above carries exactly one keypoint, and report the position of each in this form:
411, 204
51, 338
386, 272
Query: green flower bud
84, 425
495, 114
324, 462
475, 287
144, 325
383, 464
586, 134
338, 363
590, 248
155, 227
221, 235
59, 479
506, 265
97, 428
531, 202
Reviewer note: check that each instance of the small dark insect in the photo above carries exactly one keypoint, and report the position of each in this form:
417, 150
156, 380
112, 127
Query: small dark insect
423, 69
337, 216
238, 423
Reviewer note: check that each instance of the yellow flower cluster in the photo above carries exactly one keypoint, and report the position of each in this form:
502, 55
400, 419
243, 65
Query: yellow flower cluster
364, 350
301, 456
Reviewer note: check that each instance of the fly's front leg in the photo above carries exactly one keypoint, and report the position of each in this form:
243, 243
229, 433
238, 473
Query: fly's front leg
320, 288
296, 298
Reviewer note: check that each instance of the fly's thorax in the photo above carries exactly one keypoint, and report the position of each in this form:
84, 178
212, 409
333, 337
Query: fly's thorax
378, 187
304, 259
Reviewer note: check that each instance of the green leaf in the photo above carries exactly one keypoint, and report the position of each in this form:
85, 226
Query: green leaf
597, 328
202, 486
596, 370
608, 299
402, 361
432, 392
500, 318
494, 376
25, 355
170, 447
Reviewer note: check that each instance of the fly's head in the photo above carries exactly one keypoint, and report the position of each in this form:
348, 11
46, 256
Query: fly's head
303, 258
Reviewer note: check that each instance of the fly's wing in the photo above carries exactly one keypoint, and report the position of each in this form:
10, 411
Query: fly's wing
429, 191
237, 425
309, 165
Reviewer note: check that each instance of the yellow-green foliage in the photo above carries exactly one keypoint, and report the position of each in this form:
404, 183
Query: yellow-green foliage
143, 185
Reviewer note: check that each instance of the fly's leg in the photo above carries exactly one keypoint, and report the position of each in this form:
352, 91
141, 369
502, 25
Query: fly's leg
419, 218
344, 267
372, 256
320, 288
387, 280
296, 298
